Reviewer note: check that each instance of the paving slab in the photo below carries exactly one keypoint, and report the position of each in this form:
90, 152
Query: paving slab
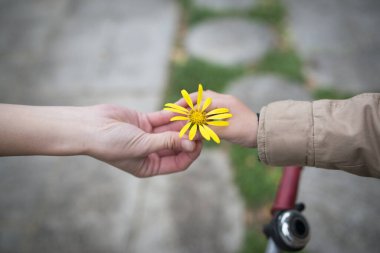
78, 204
257, 91
343, 211
340, 43
73, 204
225, 5
208, 189
85, 49
229, 41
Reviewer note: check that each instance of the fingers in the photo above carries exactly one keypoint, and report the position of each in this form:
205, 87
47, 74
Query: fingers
159, 118
168, 141
168, 152
171, 164
162, 118
169, 126
218, 99
175, 126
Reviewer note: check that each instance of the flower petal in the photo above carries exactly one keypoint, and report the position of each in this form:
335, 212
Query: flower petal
212, 134
186, 96
220, 116
206, 104
204, 133
217, 111
175, 118
184, 129
200, 92
218, 123
175, 110
178, 107
193, 131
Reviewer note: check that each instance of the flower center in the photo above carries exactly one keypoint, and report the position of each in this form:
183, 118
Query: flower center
197, 117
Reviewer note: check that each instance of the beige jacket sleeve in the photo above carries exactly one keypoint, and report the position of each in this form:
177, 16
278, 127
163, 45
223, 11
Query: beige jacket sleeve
334, 134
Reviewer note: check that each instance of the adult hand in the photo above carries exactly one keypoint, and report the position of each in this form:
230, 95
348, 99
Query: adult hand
141, 144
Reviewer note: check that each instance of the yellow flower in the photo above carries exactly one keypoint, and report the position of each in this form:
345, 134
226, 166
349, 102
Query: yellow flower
198, 118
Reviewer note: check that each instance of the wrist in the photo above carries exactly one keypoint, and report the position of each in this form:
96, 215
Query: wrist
246, 131
84, 128
254, 130
67, 130
71, 131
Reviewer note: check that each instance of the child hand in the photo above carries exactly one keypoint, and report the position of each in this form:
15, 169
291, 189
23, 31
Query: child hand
243, 125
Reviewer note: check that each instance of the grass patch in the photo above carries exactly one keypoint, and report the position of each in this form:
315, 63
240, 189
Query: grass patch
256, 181
258, 185
254, 241
268, 11
327, 93
194, 71
283, 62
194, 14
197, 15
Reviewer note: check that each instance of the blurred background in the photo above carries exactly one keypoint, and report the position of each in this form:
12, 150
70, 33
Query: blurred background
141, 53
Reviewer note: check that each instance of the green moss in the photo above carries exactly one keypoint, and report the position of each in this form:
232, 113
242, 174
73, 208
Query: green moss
269, 11
195, 15
283, 62
198, 15
256, 181
254, 241
185, 3
327, 93
194, 71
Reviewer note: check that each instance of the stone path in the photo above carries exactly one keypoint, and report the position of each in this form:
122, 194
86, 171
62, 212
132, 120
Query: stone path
340, 43
229, 41
66, 52
206, 190
225, 5
343, 211
80, 51
257, 91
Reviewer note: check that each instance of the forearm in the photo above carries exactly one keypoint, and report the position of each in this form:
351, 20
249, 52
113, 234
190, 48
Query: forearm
38, 130
336, 134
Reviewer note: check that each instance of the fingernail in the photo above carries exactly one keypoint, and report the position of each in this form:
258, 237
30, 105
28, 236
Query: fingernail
187, 145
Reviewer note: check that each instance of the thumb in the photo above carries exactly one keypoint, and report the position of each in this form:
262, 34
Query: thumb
169, 141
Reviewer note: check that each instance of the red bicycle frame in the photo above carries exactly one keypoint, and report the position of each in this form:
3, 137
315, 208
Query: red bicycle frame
288, 229
287, 190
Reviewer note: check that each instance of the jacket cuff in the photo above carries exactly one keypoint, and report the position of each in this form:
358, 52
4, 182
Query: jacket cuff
285, 135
